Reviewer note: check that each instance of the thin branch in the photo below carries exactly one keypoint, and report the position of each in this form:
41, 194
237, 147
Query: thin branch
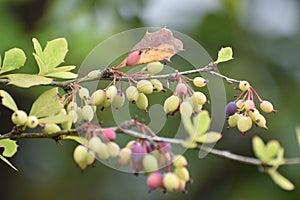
125, 128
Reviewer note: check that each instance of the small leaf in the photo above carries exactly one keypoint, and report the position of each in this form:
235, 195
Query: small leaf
13, 59
55, 52
280, 180
201, 122
0, 61
7, 162
272, 148
259, 148
7, 100
57, 119
209, 137
279, 160
189, 143
224, 55
298, 134
41, 64
47, 104
64, 69
10, 147
63, 75
37, 47
27, 80
188, 126
78, 139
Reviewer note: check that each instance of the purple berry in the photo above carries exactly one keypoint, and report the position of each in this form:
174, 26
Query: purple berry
230, 108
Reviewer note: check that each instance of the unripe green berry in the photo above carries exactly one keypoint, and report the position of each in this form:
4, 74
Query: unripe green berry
93, 74
182, 173
98, 97
244, 124
142, 102
266, 106
119, 100
240, 105
157, 85
32, 121
200, 82
94, 144
102, 151
193, 102
72, 106
80, 155
244, 85
171, 104
124, 156
199, 97
111, 92
113, 149
145, 86
154, 68
150, 163
19, 117
83, 93
261, 121
51, 128
106, 103
90, 159
87, 113
179, 161
233, 119
170, 181
132, 94
253, 113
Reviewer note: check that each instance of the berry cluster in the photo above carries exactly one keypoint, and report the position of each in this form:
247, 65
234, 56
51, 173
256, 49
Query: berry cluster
243, 113
21, 119
156, 159
184, 94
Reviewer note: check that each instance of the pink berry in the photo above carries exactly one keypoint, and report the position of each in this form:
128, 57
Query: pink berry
154, 180
109, 134
133, 58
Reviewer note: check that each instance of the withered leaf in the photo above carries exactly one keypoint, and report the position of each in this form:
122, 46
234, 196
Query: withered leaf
157, 46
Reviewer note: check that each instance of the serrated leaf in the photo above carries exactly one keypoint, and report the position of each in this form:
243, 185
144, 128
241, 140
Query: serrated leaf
298, 134
47, 104
201, 122
189, 143
225, 54
37, 47
63, 75
7, 162
78, 139
209, 137
272, 148
13, 59
10, 147
55, 52
280, 180
27, 80
57, 119
7, 100
259, 148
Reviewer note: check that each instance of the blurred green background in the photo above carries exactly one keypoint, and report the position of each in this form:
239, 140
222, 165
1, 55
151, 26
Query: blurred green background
265, 36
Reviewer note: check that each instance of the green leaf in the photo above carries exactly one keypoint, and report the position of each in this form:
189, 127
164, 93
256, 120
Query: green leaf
64, 69
224, 55
280, 180
209, 137
37, 47
7, 100
201, 122
279, 160
78, 139
47, 104
27, 80
0, 61
55, 52
10, 147
41, 64
7, 162
13, 59
57, 119
272, 148
259, 148
298, 134
188, 126
63, 75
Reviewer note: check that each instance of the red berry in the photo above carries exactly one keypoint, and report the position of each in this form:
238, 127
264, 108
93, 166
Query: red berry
154, 180
133, 58
109, 134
